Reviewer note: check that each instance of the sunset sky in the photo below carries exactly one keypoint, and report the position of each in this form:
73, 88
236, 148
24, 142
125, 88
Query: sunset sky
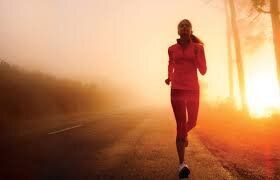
124, 42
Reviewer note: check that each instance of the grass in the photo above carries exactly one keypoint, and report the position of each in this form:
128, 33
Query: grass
249, 147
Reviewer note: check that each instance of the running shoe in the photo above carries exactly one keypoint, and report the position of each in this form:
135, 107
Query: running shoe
184, 171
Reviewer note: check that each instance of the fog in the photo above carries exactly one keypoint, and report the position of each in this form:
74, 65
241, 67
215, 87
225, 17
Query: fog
123, 43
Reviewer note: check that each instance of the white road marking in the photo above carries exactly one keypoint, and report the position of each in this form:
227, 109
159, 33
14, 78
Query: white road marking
65, 129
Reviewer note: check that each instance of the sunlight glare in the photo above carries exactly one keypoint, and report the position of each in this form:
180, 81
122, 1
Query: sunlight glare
262, 94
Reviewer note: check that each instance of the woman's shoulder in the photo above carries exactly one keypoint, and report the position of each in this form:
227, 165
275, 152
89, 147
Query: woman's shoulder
172, 46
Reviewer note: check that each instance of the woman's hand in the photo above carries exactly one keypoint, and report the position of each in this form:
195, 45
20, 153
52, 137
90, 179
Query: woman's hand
167, 81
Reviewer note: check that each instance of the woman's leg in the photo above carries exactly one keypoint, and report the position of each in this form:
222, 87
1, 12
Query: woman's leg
192, 109
179, 109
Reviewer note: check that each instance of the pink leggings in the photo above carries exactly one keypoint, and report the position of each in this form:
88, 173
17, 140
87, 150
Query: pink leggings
181, 101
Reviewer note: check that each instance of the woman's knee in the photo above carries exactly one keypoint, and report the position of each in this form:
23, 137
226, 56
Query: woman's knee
193, 124
180, 138
181, 135
190, 125
181, 127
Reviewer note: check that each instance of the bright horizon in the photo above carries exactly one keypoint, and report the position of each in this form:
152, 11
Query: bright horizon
126, 43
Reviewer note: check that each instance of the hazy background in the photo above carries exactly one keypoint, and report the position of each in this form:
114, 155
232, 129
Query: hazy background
78, 73
125, 43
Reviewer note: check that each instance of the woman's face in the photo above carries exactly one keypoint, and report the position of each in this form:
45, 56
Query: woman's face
184, 28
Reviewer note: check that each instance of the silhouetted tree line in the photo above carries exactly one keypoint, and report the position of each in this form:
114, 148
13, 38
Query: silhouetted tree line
25, 94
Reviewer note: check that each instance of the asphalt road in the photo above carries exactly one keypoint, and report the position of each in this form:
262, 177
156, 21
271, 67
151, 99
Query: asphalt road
120, 145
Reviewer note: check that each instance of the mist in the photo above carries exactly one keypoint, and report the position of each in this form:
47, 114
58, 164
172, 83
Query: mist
83, 91
120, 43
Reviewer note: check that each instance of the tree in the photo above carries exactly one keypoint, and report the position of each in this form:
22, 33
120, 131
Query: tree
238, 55
273, 6
232, 31
229, 50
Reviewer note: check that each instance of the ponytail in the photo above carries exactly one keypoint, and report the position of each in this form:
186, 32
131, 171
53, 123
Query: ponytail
196, 39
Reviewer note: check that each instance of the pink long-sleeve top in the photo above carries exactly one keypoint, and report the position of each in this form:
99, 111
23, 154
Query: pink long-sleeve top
183, 64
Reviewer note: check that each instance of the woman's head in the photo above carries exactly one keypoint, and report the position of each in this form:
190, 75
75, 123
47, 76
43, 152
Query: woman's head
185, 30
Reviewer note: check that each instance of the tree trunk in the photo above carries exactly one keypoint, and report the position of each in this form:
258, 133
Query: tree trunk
239, 61
274, 12
229, 48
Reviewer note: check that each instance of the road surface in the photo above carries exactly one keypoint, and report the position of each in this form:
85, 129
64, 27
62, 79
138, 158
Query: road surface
120, 145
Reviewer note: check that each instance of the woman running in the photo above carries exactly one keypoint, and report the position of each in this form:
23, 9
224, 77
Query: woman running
185, 57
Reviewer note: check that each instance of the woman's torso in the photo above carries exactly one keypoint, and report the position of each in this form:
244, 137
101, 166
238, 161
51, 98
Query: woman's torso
185, 71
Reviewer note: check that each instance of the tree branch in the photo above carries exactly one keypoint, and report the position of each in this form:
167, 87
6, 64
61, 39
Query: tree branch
255, 18
259, 9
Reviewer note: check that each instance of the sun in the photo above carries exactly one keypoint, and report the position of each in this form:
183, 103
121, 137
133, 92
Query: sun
262, 91
262, 95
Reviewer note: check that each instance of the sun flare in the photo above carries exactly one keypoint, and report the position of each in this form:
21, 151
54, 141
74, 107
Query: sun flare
262, 88
262, 95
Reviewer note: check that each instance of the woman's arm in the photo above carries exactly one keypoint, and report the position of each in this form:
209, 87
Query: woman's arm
200, 61
170, 64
